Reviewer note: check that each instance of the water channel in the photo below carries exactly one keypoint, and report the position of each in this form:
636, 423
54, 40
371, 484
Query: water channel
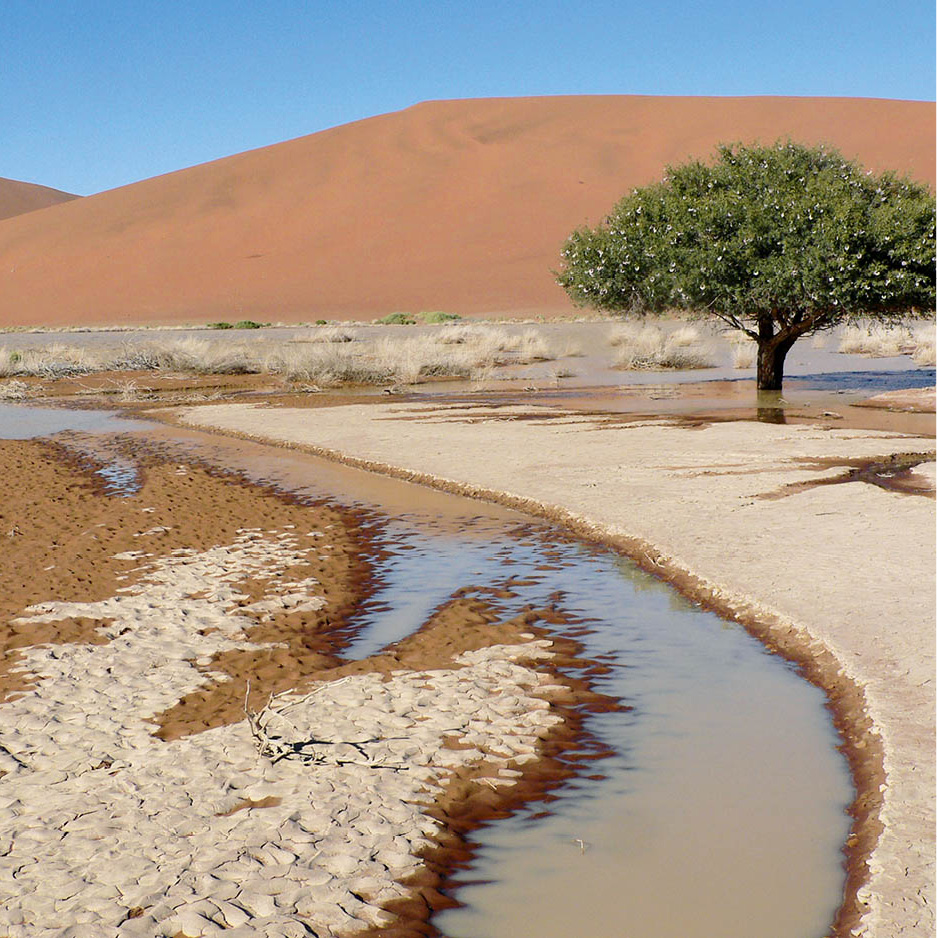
722, 812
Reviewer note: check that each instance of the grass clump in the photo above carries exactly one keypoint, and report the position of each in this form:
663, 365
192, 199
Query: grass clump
645, 347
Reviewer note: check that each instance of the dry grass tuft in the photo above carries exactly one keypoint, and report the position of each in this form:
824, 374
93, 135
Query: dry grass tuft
744, 349
924, 338
646, 347
330, 334
15, 390
322, 358
874, 341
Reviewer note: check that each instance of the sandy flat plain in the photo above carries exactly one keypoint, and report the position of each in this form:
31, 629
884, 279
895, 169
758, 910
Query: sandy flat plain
775, 525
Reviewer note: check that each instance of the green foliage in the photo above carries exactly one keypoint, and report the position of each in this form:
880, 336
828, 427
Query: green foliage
436, 316
321, 322
242, 324
396, 319
796, 236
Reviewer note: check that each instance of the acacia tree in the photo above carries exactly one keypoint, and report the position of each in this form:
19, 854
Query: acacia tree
778, 242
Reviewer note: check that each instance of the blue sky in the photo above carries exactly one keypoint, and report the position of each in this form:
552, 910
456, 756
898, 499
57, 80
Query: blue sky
98, 93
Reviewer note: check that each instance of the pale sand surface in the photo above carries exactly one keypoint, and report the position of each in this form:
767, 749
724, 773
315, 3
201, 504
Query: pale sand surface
847, 569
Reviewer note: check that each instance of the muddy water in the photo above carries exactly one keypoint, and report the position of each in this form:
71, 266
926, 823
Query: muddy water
722, 812
24, 421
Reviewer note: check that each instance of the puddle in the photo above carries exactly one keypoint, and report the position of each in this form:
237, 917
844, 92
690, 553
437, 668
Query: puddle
726, 796
120, 479
24, 421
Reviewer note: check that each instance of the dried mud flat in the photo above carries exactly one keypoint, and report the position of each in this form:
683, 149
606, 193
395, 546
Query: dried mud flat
139, 628
800, 532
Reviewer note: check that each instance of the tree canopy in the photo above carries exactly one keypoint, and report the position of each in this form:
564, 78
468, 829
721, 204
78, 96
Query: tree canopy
778, 241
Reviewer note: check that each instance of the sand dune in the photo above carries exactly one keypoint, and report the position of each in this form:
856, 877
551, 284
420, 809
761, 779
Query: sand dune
17, 198
452, 205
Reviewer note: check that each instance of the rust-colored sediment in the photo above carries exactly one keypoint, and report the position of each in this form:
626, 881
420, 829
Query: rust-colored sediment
892, 473
62, 534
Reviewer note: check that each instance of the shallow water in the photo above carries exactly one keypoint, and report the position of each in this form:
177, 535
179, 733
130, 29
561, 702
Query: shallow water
25, 421
722, 813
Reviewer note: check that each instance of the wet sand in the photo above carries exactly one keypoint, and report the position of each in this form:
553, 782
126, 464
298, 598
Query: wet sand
837, 576
134, 618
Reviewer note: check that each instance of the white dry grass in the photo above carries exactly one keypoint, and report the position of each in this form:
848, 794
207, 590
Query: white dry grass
877, 341
647, 347
874, 341
325, 357
329, 334
924, 338
744, 349
14, 390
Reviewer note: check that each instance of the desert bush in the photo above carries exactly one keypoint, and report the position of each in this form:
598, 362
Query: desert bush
434, 317
684, 336
203, 357
744, 349
396, 319
54, 361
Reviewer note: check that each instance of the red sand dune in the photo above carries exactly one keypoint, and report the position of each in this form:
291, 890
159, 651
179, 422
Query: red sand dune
453, 205
17, 198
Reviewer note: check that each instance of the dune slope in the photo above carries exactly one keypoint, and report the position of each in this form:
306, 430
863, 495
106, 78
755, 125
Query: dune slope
17, 198
453, 205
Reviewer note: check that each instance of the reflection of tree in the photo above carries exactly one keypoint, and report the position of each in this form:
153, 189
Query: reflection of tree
642, 581
770, 415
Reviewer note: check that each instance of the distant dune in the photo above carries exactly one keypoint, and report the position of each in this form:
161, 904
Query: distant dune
449, 205
17, 198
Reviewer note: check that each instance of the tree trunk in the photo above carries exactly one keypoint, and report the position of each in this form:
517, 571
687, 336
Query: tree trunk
772, 350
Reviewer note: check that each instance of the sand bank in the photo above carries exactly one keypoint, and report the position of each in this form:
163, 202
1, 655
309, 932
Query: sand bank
134, 797
839, 575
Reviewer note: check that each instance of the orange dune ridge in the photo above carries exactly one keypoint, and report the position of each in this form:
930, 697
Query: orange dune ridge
460, 206
17, 198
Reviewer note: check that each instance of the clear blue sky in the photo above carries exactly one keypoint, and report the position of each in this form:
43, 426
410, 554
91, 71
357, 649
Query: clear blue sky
99, 93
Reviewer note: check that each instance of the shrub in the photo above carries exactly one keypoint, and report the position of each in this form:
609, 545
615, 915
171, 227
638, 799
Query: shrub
437, 316
396, 319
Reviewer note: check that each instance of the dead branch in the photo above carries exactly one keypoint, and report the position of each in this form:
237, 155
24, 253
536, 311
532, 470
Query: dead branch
289, 743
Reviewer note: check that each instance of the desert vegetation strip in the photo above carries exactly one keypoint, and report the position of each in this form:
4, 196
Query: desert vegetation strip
326, 357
